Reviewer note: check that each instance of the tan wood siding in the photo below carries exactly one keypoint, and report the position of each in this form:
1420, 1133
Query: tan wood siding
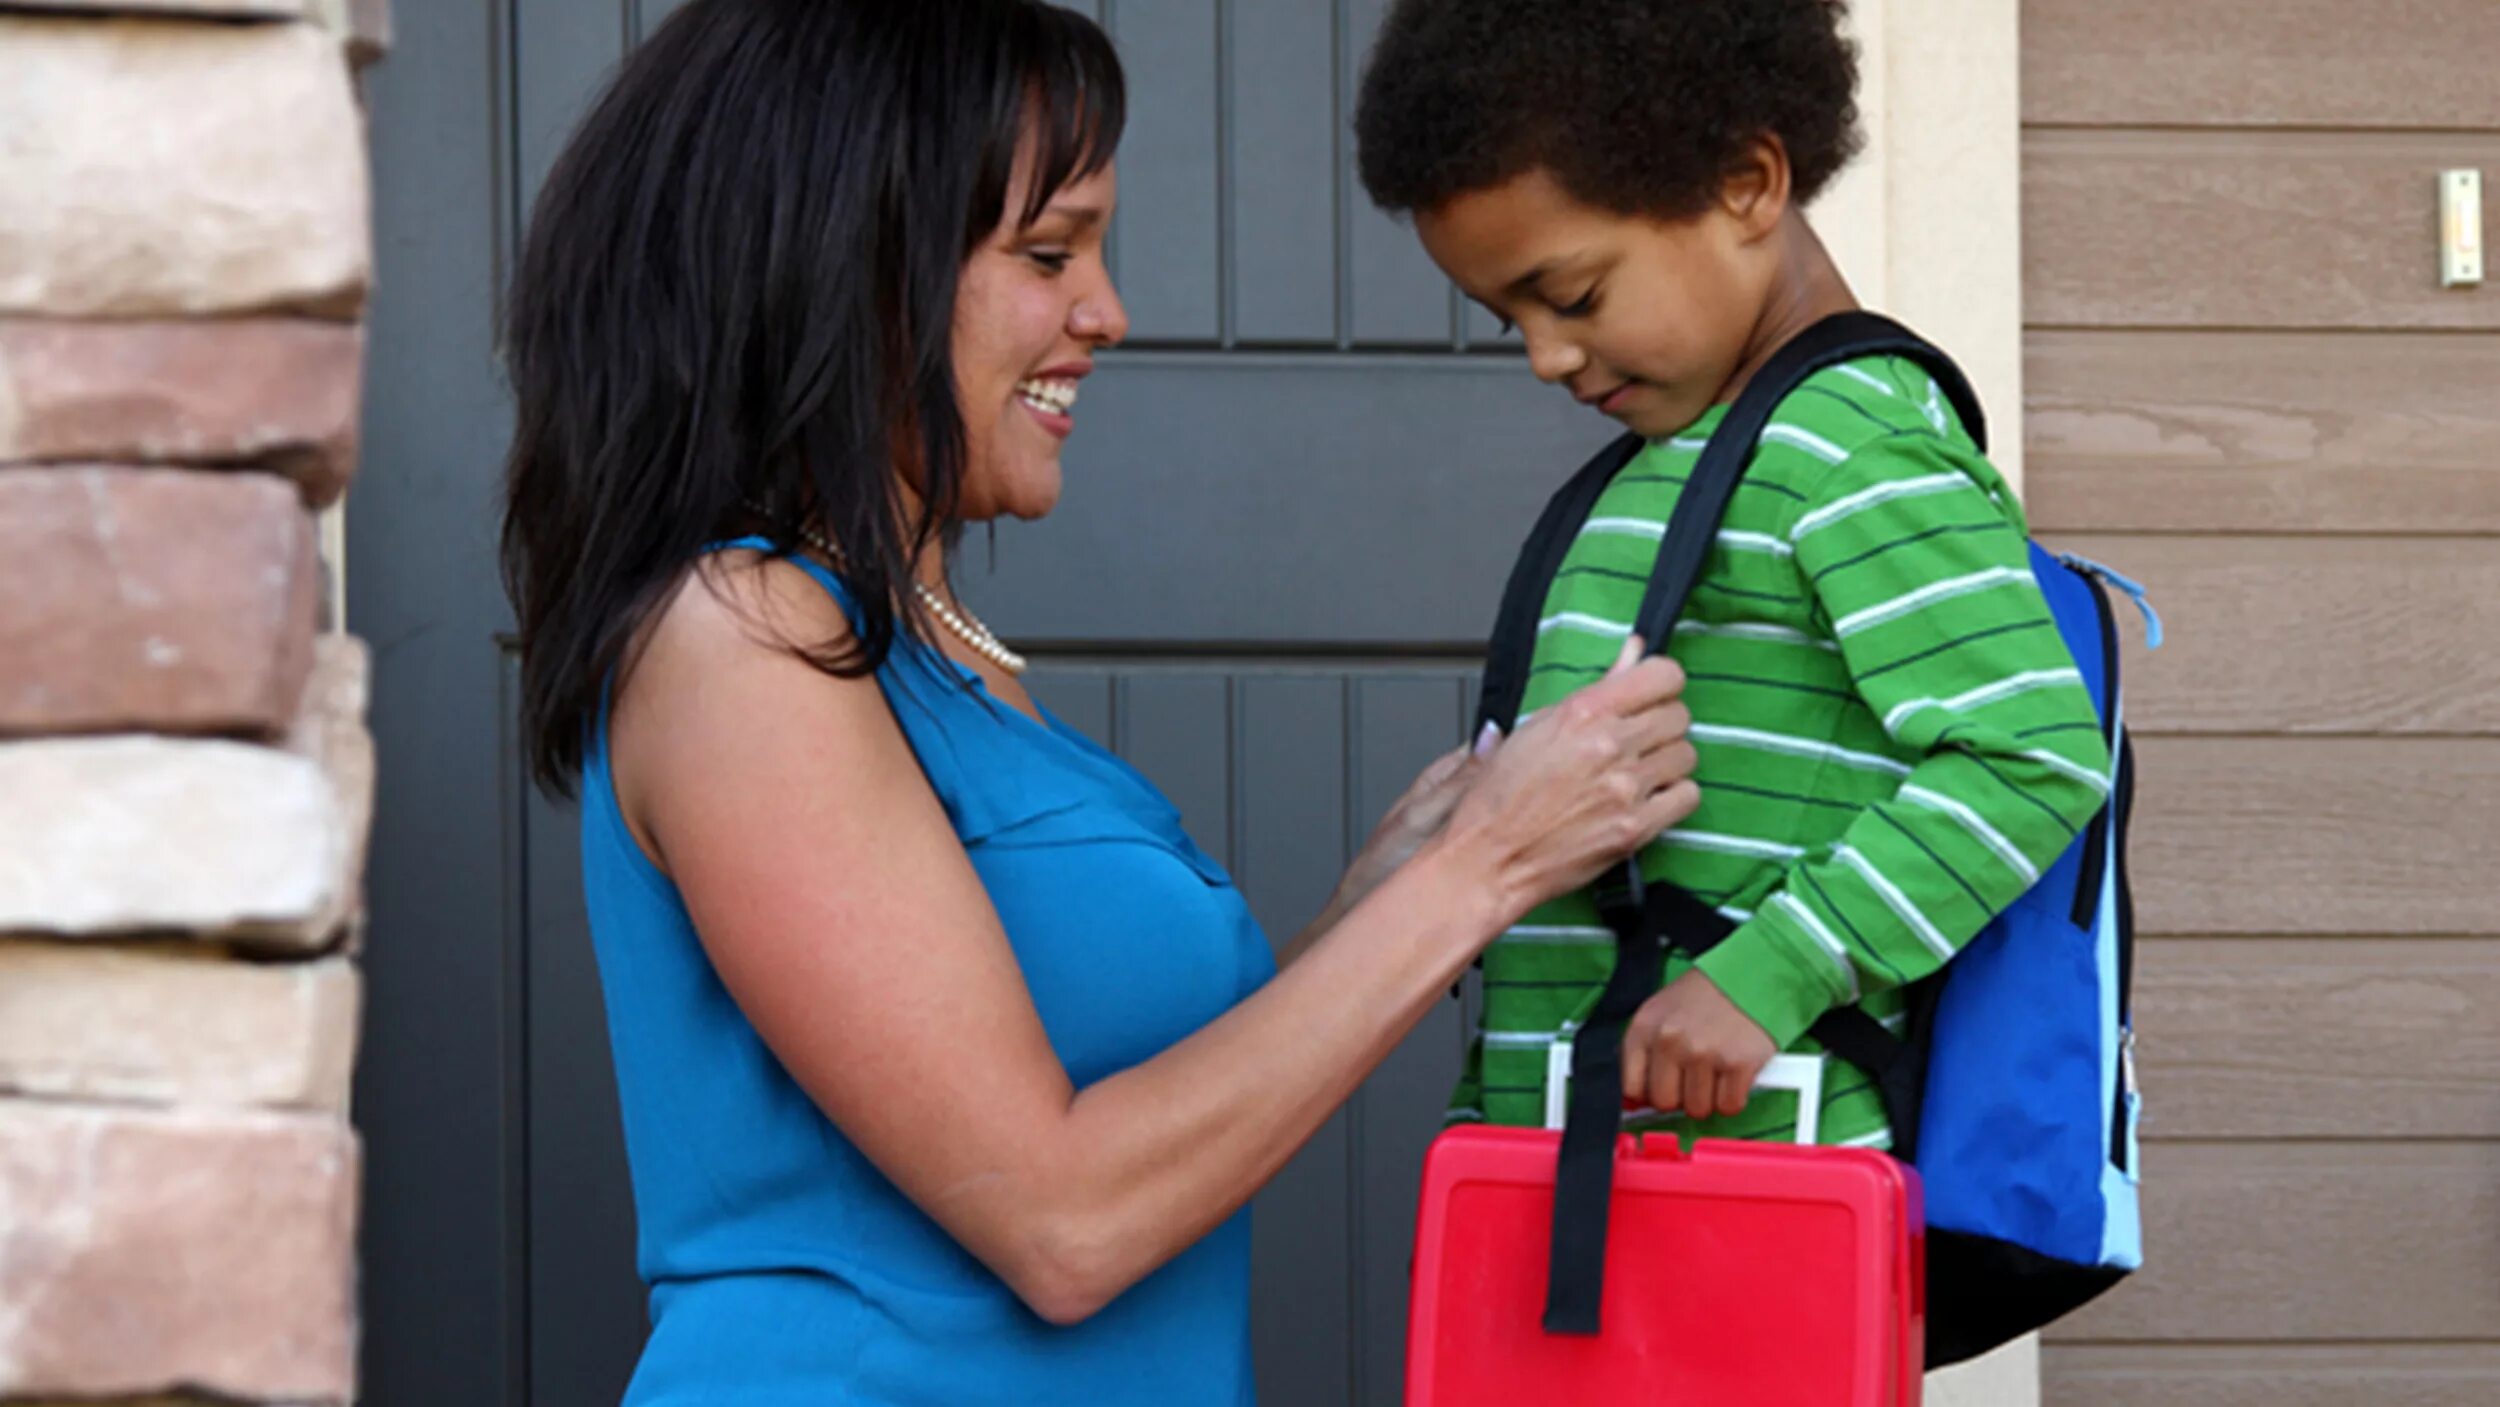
2271, 1375
2253, 63
2321, 1037
2307, 432
2127, 228
2246, 388
2283, 1242
2327, 836
2312, 635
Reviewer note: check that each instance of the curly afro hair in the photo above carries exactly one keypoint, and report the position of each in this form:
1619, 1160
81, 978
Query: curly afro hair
1635, 106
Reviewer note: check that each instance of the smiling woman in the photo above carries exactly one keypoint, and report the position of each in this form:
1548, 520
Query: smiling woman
1033, 304
948, 1063
761, 291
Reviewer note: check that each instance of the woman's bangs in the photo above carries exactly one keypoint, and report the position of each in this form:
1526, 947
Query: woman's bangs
1076, 103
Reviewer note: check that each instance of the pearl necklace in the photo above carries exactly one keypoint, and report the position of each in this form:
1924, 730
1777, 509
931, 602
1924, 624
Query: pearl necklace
964, 624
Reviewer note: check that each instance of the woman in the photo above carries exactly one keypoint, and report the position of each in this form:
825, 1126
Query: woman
948, 1063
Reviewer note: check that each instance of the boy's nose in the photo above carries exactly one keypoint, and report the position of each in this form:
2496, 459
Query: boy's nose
1554, 361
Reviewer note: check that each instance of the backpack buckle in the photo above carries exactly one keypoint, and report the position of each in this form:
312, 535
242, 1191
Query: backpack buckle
2124, 586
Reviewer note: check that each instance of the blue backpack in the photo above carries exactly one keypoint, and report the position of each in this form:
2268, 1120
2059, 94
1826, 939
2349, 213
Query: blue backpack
2012, 1087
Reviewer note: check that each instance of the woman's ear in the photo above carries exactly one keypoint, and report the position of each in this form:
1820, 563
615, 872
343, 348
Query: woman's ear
1755, 190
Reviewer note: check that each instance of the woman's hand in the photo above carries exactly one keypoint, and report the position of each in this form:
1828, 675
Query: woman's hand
1581, 785
1416, 817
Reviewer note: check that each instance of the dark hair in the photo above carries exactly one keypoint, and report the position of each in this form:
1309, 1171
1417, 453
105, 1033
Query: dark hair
738, 287
1635, 106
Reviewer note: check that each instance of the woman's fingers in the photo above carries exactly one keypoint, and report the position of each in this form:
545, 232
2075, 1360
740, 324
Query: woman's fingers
1632, 685
1628, 656
1668, 808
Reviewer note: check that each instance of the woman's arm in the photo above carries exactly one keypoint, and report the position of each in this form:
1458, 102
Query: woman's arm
844, 916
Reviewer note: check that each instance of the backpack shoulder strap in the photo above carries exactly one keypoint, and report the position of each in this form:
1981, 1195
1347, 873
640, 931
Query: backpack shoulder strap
1507, 654
1839, 338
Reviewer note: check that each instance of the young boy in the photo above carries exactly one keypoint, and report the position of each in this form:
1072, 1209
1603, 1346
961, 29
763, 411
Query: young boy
1893, 739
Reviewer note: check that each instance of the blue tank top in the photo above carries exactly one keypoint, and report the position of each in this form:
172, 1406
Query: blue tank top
783, 1267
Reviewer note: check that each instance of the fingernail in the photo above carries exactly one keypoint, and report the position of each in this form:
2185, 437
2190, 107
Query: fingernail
1488, 738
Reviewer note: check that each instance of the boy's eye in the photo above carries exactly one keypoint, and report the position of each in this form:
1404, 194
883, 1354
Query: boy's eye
1055, 260
1581, 307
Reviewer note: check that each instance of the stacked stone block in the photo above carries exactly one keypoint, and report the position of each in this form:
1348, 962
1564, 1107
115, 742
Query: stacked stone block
186, 780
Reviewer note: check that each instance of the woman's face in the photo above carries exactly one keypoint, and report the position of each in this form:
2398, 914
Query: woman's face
1032, 308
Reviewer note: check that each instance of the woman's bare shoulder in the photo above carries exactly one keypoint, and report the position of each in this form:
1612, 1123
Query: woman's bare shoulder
720, 671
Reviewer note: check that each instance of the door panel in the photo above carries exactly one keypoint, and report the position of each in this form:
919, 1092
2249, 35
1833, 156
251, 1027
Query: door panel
1280, 130
435, 1101
1166, 238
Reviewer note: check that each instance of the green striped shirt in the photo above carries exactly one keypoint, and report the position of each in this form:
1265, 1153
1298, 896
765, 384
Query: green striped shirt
1893, 738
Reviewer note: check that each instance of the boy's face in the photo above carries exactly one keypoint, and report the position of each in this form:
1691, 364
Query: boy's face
1645, 319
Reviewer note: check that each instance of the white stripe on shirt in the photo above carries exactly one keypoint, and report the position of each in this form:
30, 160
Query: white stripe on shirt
1649, 528
1732, 844
1755, 630
1806, 440
1736, 541
1877, 382
1655, 530
1582, 621
1823, 938
1928, 595
1838, 509
1978, 826
1800, 747
1894, 899
2005, 688
2055, 763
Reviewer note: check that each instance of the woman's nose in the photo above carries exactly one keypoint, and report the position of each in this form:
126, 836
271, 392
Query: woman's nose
1100, 316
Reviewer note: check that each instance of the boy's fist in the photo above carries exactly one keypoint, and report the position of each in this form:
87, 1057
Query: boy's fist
1690, 1048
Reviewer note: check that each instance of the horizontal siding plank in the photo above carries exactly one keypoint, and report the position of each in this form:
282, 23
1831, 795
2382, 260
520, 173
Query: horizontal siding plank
2276, 1375
2266, 1242
2319, 1038
2300, 63
2243, 229
2312, 635
2182, 431
2281, 836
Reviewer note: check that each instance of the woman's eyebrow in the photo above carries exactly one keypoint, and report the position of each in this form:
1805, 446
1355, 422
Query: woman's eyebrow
1083, 215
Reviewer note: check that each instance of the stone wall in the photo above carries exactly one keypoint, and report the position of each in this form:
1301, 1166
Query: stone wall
185, 775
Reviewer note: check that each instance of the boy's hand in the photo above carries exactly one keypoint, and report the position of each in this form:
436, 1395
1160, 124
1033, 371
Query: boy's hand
1689, 1047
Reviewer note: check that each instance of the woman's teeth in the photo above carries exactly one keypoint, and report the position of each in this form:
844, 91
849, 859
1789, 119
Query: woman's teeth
1052, 396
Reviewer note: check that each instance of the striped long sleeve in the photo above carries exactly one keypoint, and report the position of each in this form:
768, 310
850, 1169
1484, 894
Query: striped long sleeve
1921, 576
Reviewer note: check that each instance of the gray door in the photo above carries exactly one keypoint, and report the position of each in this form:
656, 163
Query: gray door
1289, 511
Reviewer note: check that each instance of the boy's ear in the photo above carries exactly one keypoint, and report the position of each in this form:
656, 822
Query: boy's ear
1755, 190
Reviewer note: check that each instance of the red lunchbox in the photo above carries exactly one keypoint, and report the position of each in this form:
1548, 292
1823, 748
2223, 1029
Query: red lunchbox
1739, 1275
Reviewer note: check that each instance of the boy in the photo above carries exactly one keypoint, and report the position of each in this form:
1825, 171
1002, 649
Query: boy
1893, 739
